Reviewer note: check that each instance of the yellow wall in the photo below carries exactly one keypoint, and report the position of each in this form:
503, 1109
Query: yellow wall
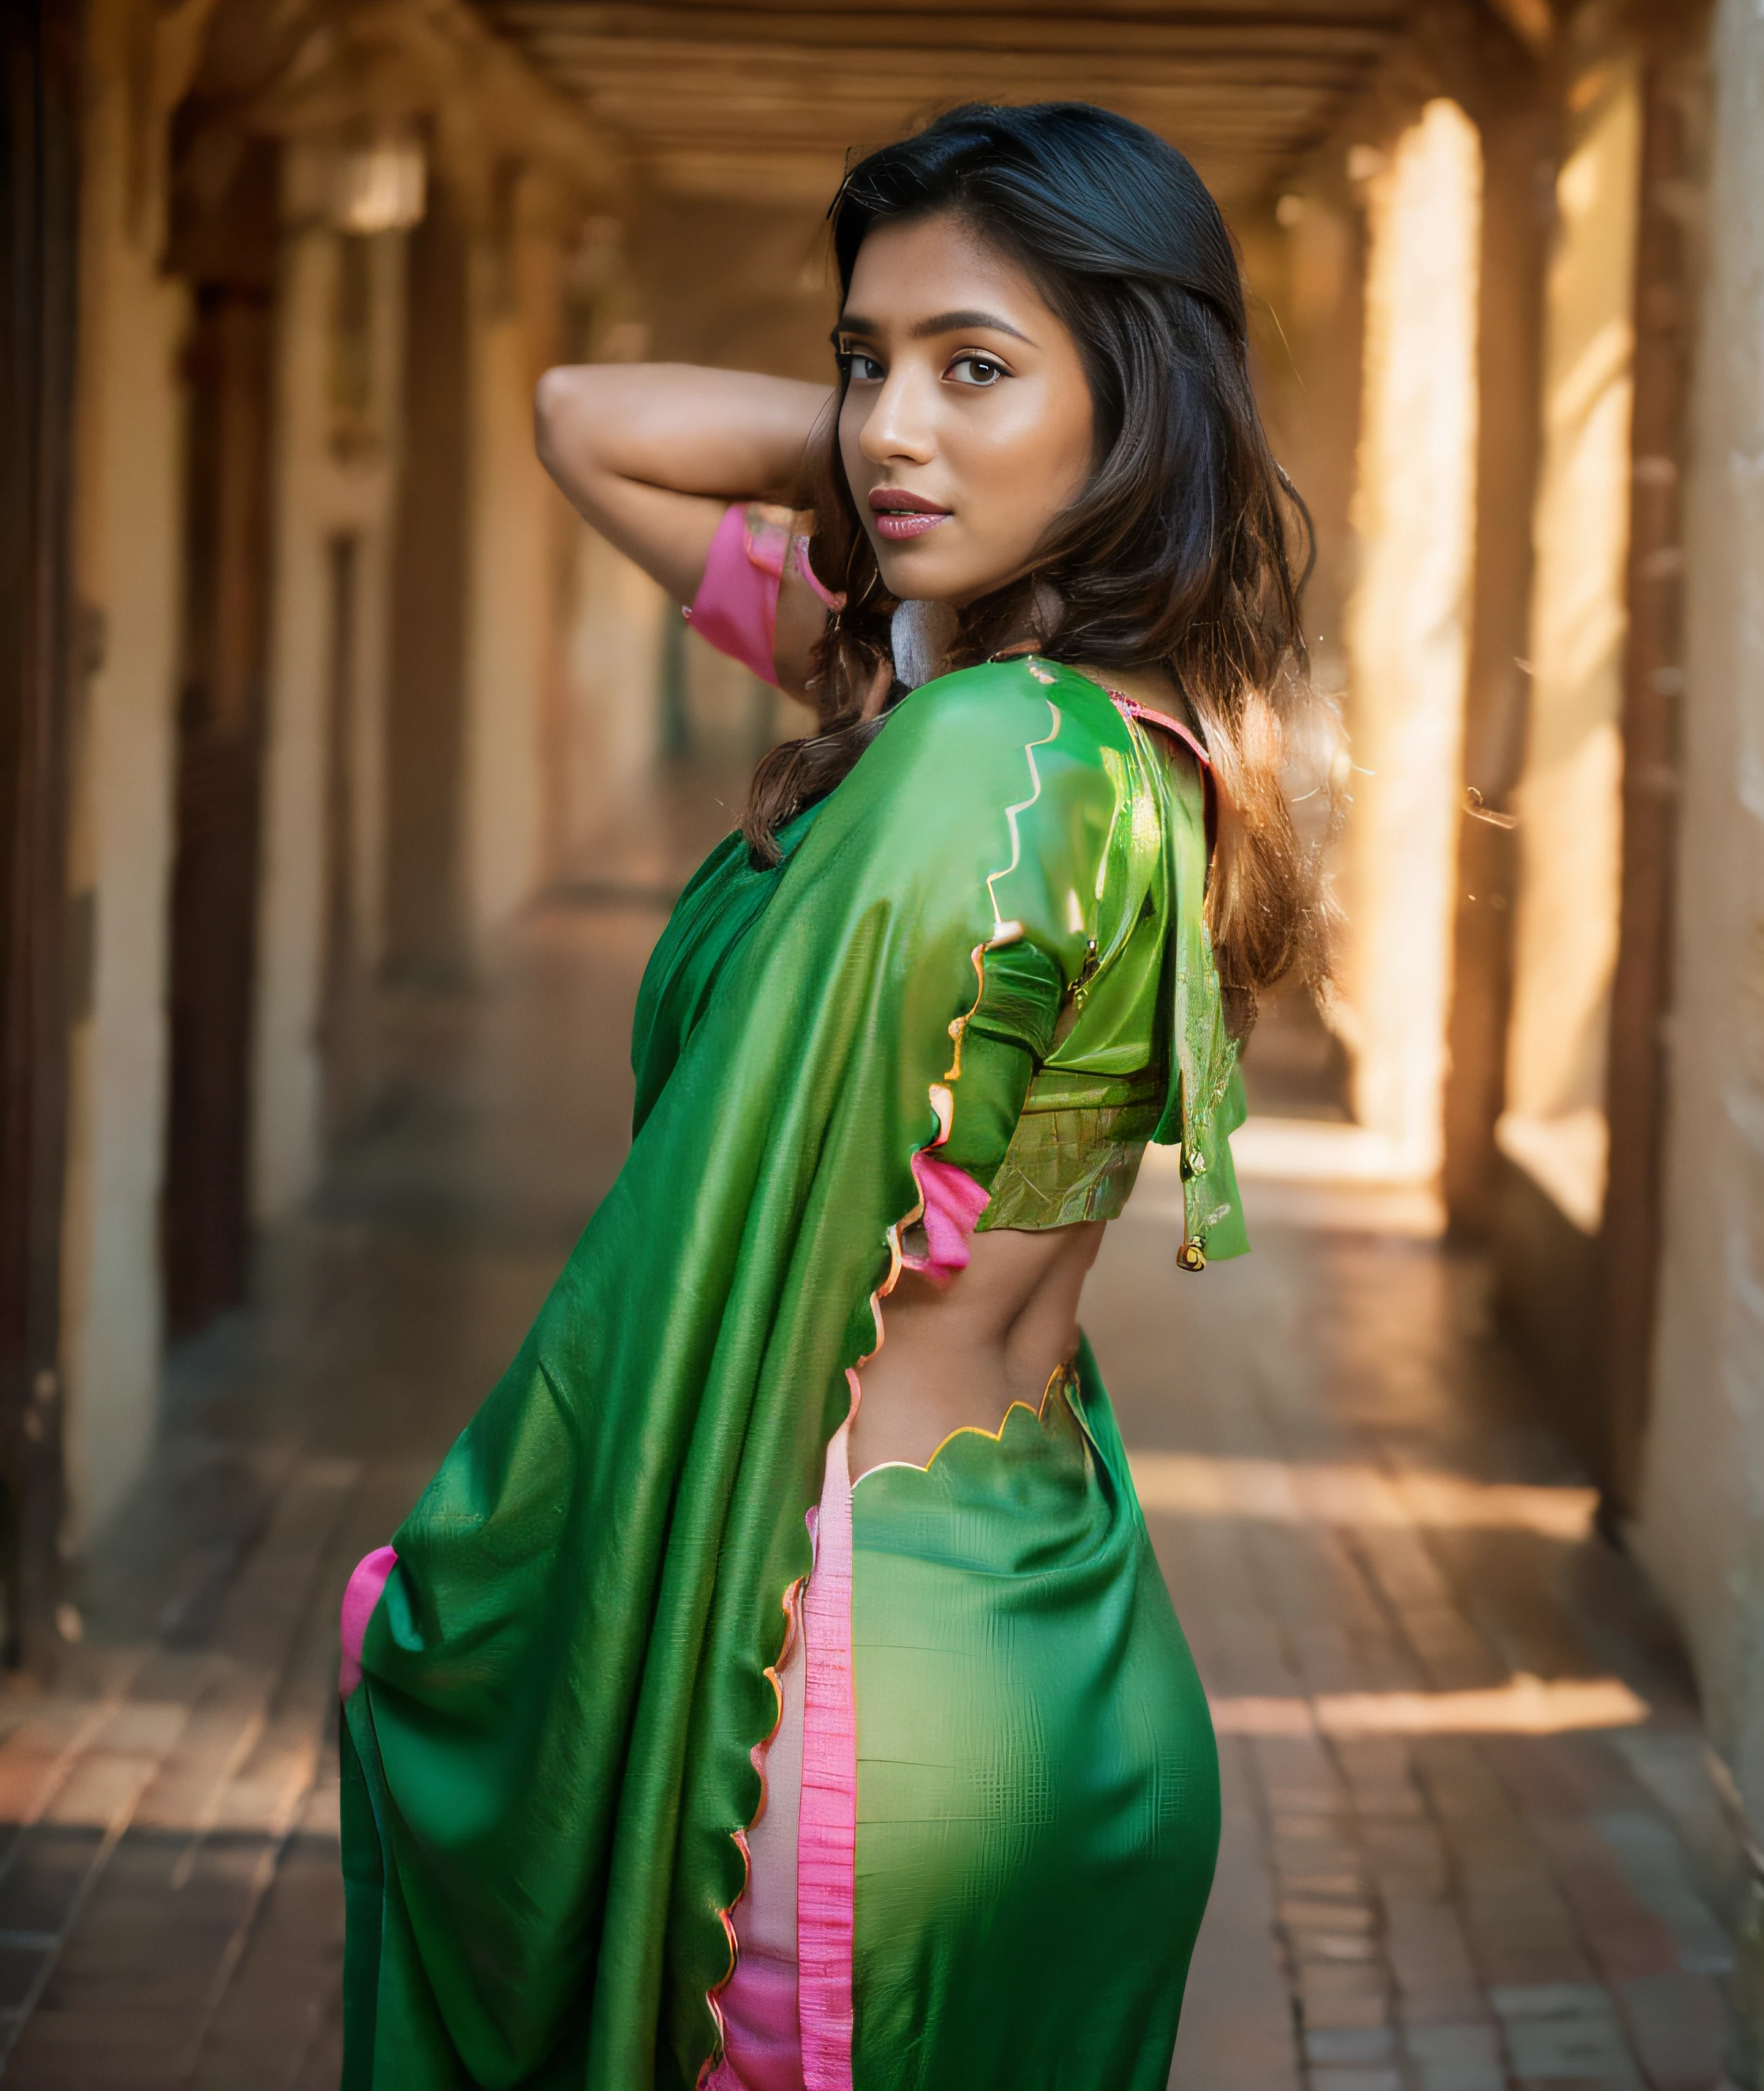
1569, 798
143, 58
613, 728
1702, 1506
513, 587
1408, 638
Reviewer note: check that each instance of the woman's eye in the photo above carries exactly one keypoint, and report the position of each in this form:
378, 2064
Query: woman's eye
863, 366
977, 370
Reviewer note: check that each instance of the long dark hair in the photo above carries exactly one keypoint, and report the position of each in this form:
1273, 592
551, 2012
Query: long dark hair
1177, 551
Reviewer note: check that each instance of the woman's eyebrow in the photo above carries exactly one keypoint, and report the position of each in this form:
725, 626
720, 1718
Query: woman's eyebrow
940, 323
959, 322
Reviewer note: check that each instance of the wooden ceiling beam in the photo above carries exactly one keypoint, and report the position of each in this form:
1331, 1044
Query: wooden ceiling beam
858, 90
1196, 143
809, 185
838, 104
739, 99
585, 71
547, 29
924, 20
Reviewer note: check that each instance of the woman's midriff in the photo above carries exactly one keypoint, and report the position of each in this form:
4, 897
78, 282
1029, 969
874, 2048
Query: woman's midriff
955, 1356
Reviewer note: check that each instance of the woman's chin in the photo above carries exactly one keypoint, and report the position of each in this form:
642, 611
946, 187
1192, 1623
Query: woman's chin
916, 573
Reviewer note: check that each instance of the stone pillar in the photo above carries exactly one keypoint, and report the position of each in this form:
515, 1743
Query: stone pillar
1516, 126
1570, 817
1408, 625
515, 307
336, 437
129, 536
1702, 1493
1552, 1134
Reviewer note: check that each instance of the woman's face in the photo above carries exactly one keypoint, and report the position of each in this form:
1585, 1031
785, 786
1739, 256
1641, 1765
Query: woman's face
967, 425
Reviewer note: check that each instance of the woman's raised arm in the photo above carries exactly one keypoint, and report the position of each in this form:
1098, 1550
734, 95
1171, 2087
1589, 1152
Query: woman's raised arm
653, 453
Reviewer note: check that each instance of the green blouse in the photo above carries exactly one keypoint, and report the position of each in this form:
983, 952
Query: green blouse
1059, 1088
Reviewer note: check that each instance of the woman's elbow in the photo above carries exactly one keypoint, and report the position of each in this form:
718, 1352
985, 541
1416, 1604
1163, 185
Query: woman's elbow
559, 425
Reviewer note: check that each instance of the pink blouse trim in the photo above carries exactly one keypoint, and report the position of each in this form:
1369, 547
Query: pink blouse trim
362, 1593
1134, 709
953, 1203
736, 609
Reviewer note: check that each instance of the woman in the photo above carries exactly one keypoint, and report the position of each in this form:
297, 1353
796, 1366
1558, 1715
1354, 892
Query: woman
673, 1754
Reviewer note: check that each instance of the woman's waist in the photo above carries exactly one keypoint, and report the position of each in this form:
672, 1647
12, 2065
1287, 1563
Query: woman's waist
956, 1358
912, 1416
1035, 1490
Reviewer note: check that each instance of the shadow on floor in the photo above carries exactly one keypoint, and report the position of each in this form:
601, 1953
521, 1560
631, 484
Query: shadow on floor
1441, 1868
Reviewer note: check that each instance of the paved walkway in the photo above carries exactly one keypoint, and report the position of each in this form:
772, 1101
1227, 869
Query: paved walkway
1469, 1840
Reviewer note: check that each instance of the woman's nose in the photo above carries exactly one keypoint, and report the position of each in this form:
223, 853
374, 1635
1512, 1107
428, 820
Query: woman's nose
897, 430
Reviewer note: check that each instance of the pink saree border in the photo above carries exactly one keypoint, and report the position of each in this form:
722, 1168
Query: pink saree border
367, 1582
826, 1837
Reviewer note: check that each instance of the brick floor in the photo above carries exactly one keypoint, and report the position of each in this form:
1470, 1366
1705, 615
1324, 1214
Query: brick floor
1444, 1908
1371, 1542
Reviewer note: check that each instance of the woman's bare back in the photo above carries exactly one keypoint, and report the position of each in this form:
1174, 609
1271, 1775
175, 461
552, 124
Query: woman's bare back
960, 1354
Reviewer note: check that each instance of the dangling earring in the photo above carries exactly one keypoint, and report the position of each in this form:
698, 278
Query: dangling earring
1047, 608
920, 636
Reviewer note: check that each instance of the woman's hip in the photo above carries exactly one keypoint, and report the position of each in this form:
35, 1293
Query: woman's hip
1037, 1798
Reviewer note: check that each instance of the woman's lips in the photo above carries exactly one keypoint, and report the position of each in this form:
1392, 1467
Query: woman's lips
899, 516
898, 524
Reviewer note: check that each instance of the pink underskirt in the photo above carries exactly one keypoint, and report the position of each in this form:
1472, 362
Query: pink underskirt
827, 1833
762, 2038
766, 2001
365, 1582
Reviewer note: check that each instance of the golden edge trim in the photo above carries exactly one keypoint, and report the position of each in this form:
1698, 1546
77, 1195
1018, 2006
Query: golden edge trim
1056, 1380
1000, 926
958, 1028
757, 1756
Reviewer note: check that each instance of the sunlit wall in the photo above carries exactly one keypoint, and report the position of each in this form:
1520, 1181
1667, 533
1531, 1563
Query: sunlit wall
1408, 628
1702, 1529
1569, 799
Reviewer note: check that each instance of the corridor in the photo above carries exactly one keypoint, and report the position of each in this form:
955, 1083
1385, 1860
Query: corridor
1470, 1836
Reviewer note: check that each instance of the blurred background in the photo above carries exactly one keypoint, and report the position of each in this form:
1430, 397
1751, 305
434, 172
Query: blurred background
346, 779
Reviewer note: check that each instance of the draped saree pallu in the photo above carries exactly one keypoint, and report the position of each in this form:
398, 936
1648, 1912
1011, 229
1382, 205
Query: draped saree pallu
984, 950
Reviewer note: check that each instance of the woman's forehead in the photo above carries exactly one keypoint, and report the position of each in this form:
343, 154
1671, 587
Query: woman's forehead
913, 273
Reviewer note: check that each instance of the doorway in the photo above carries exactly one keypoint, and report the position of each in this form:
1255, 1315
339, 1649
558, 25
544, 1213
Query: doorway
38, 254
426, 702
227, 247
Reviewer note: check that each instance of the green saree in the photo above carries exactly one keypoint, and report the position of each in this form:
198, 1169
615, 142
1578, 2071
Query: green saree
548, 1761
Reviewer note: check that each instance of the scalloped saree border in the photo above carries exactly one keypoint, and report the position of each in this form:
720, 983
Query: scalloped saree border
827, 2042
